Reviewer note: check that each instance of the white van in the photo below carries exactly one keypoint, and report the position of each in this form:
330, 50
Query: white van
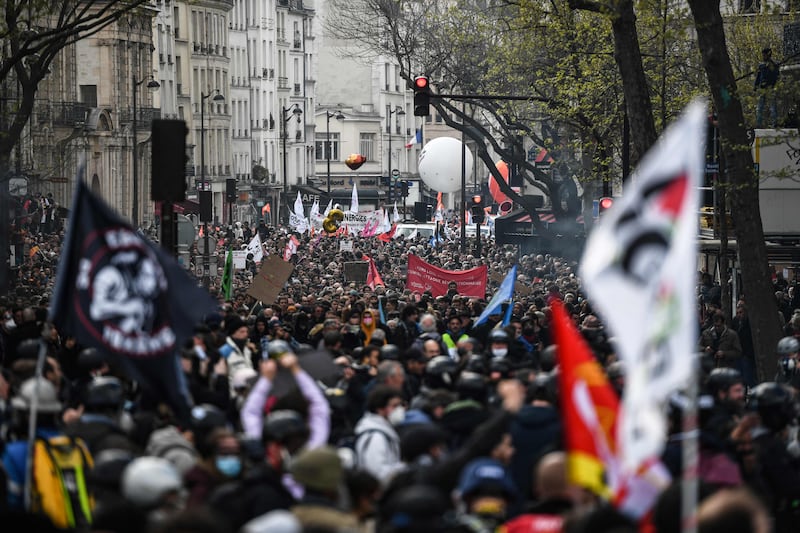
422, 229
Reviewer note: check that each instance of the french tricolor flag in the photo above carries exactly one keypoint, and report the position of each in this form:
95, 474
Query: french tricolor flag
416, 139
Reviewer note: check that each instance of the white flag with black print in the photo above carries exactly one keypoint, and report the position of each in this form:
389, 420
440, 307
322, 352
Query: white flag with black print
639, 270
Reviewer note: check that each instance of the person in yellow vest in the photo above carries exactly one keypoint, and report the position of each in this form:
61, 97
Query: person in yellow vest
453, 335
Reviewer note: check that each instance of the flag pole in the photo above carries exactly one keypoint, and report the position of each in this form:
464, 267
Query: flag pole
689, 451
34, 408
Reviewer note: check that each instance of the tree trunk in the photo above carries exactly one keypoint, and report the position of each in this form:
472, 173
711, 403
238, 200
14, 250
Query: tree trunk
634, 82
743, 191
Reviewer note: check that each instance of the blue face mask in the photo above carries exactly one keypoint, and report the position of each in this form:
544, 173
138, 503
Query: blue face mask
229, 465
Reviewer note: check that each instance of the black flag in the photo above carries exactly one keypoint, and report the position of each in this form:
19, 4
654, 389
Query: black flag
124, 295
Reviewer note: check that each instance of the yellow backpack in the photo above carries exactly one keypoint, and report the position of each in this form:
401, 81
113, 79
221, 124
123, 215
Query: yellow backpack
59, 489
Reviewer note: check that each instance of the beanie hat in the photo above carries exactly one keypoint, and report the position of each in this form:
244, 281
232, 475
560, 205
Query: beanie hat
319, 469
232, 323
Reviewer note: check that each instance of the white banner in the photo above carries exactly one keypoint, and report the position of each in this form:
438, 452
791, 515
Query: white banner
345, 246
240, 259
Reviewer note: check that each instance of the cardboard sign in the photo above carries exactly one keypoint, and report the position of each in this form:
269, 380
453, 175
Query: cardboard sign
273, 276
356, 271
345, 246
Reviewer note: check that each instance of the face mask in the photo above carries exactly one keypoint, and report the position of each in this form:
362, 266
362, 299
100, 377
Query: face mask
397, 416
499, 352
367, 321
229, 465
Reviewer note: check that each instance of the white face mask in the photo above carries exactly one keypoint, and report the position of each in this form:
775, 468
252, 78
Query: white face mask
499, 352
397, 416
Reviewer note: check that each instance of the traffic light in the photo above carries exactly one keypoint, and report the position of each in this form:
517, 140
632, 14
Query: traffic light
476, 210
605, 204
422, 96
169, 161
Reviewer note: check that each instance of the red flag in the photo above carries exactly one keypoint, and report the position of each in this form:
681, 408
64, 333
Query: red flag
590, 410
387, 236
373, 276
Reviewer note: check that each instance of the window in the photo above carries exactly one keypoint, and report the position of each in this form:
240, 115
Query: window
89, 95
320, 143
366, 145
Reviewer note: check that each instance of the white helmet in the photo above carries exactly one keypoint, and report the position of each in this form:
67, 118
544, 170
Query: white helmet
788, 346
147, 480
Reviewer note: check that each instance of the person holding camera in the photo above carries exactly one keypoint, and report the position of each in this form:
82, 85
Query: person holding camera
722, 343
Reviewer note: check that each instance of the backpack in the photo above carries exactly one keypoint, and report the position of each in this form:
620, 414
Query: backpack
59, 489
348, 446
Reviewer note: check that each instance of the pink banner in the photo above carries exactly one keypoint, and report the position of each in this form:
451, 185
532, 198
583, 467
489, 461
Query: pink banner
423, 277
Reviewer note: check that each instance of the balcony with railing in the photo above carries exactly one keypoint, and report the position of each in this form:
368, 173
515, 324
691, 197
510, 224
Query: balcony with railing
283, 83
63, 113
144, 116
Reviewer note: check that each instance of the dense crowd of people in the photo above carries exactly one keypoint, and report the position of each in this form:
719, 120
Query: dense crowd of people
349, 408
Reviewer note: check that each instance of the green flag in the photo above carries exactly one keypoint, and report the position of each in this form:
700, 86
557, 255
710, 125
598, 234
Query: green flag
227, 276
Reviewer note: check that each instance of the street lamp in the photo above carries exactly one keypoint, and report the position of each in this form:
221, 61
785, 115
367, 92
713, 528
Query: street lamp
399, 111
204, 186
328, 115
153, 85
296, 111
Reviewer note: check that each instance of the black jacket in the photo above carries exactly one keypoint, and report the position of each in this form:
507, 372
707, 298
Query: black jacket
258, 492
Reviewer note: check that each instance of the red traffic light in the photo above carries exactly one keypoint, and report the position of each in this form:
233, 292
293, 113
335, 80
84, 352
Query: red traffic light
606, 203
421, 83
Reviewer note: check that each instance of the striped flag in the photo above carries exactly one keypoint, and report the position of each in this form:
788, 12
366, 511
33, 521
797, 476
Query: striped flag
416, 139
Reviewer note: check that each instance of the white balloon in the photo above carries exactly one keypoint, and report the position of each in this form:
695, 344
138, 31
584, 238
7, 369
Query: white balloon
440, 164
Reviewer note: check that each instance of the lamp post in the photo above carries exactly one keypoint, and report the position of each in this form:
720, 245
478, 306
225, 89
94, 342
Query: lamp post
153, 85
206, 248
328, 115
399, 111
296, 111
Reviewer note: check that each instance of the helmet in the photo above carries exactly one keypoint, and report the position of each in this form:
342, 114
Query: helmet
721, 379
47, 396
390, 352
90, 359
472, 386
543, 387
476, 363
440, 373
502, 366
788, 346
278, 348
104, 393
206, 418
498, 335
28, 349
282, 425
108, 467
774, 404
147, 479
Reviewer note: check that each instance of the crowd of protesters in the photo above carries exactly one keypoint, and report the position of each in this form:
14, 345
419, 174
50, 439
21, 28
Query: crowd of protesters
347, 408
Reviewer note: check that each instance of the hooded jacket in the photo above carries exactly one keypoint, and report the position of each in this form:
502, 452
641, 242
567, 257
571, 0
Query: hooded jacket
377, 447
